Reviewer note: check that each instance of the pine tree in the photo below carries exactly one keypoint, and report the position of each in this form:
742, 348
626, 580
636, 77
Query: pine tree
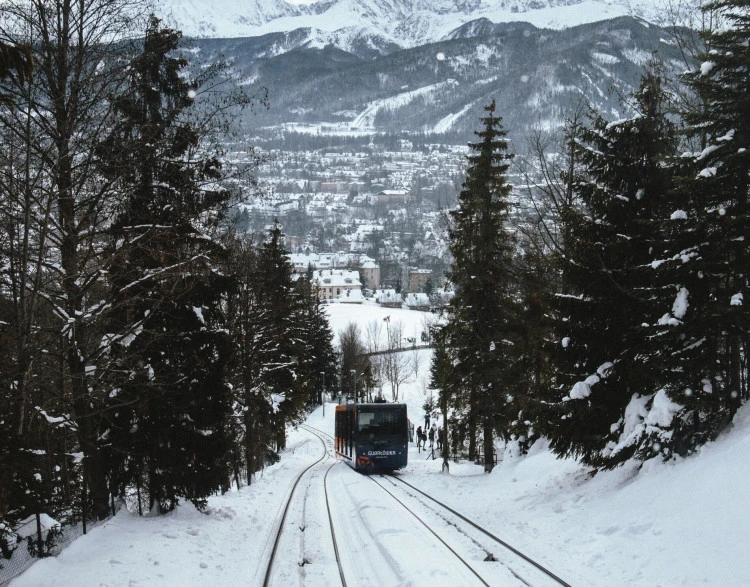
699, 333
284, 345
605, 298
320, 362
170, 402
251, 425
483, 318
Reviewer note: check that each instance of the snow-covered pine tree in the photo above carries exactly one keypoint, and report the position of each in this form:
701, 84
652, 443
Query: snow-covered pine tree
598, 314
700, 331
321, 361
483, 325
283, 346
170, 400
251, 427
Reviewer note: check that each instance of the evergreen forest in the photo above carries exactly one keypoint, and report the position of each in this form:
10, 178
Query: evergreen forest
149, 354
613, 322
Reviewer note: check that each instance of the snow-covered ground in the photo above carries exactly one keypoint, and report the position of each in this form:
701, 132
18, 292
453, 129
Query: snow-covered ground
366, 119
679, 523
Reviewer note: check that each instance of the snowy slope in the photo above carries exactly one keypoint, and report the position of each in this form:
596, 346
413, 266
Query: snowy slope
366, 118
681, 523
407, 23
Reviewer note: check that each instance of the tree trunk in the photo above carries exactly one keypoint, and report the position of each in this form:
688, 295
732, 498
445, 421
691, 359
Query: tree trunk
95, 467
489, 448
250, 448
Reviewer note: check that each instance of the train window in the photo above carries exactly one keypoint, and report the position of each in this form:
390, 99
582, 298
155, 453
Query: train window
380, 422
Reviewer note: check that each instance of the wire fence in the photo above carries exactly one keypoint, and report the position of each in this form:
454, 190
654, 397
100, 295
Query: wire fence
22, 558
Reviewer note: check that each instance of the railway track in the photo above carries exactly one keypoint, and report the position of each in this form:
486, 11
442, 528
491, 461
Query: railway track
421, 520
273, 562
524, 561
327, 441
518, 566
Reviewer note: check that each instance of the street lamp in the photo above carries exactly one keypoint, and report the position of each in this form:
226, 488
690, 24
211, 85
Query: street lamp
323, 392
353, 373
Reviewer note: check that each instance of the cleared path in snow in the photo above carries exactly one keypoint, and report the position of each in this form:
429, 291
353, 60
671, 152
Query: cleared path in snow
371, 554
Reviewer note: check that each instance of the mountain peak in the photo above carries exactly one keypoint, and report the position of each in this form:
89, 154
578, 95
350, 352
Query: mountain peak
403, 23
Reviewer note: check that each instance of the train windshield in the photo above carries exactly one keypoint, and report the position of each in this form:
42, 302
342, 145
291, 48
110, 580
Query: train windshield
381, 422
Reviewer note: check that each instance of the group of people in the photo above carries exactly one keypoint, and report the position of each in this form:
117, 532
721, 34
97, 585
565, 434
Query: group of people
434, 434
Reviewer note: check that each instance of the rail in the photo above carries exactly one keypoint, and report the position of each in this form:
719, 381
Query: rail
486, 532
280, 527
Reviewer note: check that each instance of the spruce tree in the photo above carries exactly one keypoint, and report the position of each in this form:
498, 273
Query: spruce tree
605, 298
483, 326
699, 333
170, 401
320, 363
252, 425
285, 345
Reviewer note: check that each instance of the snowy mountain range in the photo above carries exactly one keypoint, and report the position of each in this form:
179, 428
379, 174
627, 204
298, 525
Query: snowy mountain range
387, 23
426, 65
536, 75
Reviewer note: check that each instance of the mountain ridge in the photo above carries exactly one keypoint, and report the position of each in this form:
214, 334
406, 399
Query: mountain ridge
538, 76
398, 23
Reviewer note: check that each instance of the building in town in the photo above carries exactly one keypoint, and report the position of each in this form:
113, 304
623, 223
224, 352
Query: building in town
417, 279
338, 284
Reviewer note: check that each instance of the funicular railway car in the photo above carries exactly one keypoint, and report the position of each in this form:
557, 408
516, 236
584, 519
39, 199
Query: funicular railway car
372, 437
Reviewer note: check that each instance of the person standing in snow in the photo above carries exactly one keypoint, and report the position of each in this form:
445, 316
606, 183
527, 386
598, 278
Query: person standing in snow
432, 435
419, 438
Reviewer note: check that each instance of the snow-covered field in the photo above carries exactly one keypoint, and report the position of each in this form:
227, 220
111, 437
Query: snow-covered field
679, 523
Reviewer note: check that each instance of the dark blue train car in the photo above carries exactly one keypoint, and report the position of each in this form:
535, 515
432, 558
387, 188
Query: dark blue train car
372, 437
